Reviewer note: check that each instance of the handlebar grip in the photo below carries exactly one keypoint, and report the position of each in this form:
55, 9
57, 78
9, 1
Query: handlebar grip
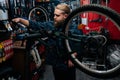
36, 35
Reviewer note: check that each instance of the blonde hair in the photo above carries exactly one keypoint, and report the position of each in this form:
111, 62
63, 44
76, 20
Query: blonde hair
63, 7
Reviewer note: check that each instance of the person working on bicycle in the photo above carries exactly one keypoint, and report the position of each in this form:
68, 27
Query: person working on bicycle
63, 68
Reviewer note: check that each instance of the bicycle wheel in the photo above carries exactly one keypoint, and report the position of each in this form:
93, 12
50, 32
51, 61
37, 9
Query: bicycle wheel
93, 47
38, 14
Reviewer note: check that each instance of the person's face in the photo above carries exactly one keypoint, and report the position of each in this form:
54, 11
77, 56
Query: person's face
59, 17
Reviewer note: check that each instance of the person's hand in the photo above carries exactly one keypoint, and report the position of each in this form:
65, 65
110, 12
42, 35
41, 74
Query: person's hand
17, 20
22, 21
70, 64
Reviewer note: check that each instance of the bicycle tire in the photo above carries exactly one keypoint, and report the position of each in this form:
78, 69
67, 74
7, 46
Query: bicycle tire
114, 16
42, 14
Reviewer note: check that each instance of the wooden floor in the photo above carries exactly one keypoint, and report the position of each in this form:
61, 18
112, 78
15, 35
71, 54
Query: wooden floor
48, 75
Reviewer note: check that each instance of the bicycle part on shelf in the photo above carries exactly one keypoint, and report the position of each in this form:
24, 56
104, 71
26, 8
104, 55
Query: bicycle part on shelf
5, 27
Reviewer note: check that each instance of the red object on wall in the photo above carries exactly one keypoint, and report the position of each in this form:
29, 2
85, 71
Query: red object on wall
115, 5
95, 26
8, 49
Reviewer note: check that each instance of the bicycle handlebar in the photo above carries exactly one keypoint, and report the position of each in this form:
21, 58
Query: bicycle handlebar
35, 35
44, 34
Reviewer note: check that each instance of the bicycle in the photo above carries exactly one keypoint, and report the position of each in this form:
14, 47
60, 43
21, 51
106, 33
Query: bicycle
97, 54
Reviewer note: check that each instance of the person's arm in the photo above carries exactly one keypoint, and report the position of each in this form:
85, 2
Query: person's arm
34, 24
21, 20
